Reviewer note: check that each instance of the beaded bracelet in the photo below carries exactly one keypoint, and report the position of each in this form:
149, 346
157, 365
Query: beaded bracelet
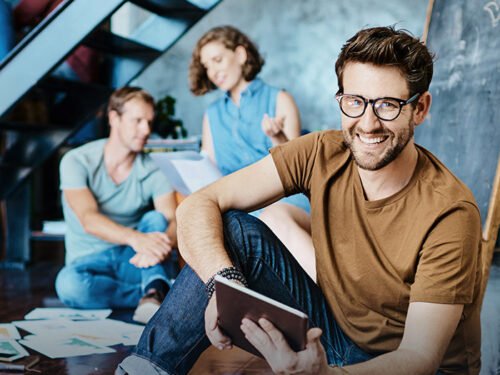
230, 273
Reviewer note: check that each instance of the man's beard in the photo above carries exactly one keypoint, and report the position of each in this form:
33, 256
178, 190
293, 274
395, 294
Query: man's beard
372, 162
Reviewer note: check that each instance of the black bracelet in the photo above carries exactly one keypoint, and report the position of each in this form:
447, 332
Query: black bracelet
230, 273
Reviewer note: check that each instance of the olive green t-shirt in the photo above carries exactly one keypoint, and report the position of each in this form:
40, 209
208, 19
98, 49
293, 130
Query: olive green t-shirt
375, 257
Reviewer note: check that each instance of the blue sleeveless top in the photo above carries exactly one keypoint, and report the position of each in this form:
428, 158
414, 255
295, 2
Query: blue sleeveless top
236, 131
237, 134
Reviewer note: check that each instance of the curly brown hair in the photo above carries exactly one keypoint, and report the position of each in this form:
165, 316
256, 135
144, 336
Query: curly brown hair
122, 95
388, 46
231, 38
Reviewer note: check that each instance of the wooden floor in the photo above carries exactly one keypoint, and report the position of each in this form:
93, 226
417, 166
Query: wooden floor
23, 290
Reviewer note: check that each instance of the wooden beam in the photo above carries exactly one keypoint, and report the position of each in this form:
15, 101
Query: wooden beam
428, 16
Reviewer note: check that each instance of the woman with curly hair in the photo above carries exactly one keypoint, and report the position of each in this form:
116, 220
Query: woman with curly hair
251, 117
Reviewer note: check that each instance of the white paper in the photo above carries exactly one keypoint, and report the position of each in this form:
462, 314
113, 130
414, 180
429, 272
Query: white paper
67, 313
8, 331
59, 347
44, 327
105, 332
10, 350
187, 171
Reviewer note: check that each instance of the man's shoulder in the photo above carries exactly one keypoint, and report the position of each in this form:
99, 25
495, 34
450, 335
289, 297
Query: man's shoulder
328, 142
88, 152
442, 183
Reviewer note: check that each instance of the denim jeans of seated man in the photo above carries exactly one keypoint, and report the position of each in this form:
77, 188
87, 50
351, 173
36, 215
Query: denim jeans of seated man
107, 279
175, 337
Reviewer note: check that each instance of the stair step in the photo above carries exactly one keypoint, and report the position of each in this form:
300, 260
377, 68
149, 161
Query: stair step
10, 176
171, 8
110, 43
26, 127
30, 148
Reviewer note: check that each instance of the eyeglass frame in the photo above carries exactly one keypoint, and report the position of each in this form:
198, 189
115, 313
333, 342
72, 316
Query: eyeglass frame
401, 102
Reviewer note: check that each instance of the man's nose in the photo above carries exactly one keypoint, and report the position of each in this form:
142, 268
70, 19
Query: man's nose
145, 127
369, 121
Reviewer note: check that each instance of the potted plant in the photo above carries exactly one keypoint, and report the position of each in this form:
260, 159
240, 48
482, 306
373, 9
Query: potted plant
165, 124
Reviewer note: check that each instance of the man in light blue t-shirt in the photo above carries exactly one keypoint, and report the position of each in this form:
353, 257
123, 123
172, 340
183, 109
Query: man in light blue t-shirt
116, 246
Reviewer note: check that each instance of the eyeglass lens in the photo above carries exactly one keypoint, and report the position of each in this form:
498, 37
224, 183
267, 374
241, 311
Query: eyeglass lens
385, 109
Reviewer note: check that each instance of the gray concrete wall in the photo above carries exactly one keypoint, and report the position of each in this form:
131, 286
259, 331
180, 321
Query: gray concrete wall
300, 41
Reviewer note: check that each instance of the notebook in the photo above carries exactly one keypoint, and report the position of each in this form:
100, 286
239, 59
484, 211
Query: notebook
234, 302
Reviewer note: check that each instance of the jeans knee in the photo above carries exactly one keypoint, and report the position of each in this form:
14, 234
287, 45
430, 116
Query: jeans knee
152, 221
244, 232
71, 288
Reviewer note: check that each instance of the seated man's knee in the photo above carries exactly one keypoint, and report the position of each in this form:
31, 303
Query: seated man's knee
72, 288
244, 233
153, 221
276, 217
239, 222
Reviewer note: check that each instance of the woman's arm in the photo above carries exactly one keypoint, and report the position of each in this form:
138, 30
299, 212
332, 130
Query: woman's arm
286, 125
207, 144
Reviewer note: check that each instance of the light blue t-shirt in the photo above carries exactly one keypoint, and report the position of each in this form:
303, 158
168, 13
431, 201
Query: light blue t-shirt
124, 203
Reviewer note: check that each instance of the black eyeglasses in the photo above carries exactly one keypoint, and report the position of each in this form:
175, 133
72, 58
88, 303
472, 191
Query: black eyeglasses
386, 109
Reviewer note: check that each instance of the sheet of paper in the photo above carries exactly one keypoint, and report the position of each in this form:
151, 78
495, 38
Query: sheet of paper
187, 171
44, 327
59, 347
8, 332
67, 313
10, 350
105, 332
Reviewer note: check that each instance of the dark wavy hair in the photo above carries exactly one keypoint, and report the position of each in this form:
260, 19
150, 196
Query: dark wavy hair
231, 38
386, 46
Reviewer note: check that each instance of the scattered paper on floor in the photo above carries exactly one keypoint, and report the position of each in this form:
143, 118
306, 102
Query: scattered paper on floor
8, 332
67, 313
57, 347
10, 350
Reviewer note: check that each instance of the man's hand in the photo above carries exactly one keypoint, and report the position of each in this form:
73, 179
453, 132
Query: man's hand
273, 128
271, 343
215, 335
153, 244
144, 260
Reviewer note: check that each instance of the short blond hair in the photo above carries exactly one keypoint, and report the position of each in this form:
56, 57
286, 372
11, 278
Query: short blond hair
123, 95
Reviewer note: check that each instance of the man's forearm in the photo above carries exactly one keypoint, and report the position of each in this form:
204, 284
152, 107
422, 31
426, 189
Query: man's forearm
200, 235
106, 229
394, 363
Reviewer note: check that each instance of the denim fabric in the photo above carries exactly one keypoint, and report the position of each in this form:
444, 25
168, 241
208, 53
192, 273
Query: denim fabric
107, 279
6, 29
175, 337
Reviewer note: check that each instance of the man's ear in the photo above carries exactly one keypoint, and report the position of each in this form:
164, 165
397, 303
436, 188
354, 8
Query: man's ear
241, 54
422, 108
113, 118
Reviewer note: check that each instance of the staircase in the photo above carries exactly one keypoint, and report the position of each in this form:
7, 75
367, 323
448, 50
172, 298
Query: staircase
27, 76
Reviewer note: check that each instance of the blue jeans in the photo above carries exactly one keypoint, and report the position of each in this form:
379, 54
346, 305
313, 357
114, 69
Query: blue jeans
175, 337
107, 279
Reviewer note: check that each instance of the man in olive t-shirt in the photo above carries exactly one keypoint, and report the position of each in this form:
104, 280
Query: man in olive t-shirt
397, 239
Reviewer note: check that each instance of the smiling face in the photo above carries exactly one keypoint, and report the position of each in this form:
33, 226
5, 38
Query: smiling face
133, 126
375, 143
223, 66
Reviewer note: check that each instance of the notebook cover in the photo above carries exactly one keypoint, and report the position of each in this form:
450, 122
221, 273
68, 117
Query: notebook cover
234, 302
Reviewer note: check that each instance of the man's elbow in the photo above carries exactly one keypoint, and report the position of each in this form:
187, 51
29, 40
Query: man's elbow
426, 363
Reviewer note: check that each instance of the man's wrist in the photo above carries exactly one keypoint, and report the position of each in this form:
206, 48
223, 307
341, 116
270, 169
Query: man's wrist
230, 273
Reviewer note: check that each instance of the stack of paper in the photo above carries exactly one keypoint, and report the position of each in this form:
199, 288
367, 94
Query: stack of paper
187, 171
64, 332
